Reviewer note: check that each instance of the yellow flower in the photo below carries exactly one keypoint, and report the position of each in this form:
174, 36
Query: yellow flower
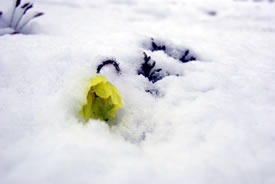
103, 100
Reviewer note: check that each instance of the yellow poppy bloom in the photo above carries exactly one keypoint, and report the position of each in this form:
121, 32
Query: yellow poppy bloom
102, 102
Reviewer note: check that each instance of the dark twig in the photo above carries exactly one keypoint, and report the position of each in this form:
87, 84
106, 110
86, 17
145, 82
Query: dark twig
109, 62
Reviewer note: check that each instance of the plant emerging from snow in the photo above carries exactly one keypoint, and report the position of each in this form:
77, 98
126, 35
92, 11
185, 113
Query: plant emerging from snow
149, 71
18, 18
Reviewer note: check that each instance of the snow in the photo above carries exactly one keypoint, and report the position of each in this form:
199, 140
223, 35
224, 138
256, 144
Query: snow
214, 123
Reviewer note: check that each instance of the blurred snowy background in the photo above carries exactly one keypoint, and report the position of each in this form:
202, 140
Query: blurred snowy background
214, 123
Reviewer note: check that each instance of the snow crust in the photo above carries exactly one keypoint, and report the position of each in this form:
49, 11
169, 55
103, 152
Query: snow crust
214, 123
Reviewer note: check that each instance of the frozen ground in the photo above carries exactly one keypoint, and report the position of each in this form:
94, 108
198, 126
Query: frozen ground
214, 123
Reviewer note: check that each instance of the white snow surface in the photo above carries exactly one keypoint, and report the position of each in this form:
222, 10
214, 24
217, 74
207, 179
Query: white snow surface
214, 123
